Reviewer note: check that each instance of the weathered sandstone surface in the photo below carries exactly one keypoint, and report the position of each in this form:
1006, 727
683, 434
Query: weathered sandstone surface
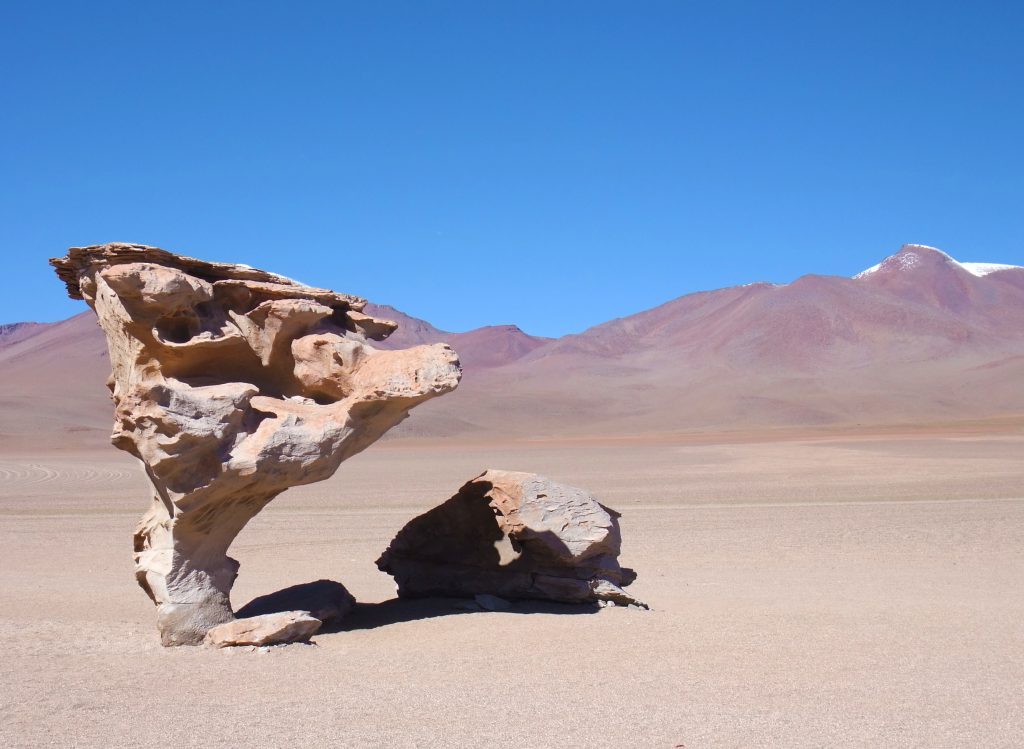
231, 385
513, 535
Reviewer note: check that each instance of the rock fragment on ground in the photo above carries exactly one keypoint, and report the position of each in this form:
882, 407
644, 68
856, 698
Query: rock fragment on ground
512, 535
268, 629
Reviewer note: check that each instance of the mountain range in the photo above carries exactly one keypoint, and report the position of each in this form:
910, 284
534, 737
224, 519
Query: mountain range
917, 339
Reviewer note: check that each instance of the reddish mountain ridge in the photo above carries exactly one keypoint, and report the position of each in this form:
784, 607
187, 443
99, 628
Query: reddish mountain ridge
918, 338
490, 346
54, 379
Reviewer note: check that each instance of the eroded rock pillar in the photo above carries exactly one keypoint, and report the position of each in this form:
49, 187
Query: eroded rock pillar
231, 385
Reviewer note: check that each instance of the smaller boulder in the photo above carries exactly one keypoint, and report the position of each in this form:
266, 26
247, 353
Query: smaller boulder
509, 535
269, 629
326, 600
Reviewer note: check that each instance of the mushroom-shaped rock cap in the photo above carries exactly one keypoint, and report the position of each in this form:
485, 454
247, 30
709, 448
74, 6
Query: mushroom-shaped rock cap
82, 261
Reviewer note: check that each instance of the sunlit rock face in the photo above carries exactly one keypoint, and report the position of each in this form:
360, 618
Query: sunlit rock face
232, 384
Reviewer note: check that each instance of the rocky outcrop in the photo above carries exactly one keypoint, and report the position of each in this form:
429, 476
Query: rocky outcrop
513, 535
231, 385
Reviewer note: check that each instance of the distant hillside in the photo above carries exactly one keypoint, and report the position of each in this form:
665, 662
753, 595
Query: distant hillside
487, 347
53, 379
918, 338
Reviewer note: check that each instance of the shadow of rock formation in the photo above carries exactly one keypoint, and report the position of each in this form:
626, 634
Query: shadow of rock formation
398, 610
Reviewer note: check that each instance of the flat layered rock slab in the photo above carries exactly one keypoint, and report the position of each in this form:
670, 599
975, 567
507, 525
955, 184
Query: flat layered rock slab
268, 629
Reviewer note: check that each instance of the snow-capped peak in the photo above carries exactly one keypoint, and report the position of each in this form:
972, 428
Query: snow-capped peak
911, 255
983, 269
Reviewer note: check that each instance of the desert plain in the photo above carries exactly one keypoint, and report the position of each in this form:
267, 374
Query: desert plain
822, 495
465, 312
808, 588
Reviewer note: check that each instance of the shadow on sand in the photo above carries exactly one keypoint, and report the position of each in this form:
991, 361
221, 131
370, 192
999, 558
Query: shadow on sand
397, 610
323, 594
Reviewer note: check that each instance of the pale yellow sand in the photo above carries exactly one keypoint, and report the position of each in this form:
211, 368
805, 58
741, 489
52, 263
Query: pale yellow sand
855, 591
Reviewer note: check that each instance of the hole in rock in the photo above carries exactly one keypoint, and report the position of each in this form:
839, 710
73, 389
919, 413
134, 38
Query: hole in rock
177, 329
201, 368
339, 319
322, 399
238, 299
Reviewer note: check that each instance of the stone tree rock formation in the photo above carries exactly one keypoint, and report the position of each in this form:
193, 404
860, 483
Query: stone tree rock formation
232, 384
513, 535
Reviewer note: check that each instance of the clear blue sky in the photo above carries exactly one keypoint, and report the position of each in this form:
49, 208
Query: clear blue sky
550, 164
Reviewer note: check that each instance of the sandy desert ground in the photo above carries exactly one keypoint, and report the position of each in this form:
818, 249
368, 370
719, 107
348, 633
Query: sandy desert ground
807, 591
